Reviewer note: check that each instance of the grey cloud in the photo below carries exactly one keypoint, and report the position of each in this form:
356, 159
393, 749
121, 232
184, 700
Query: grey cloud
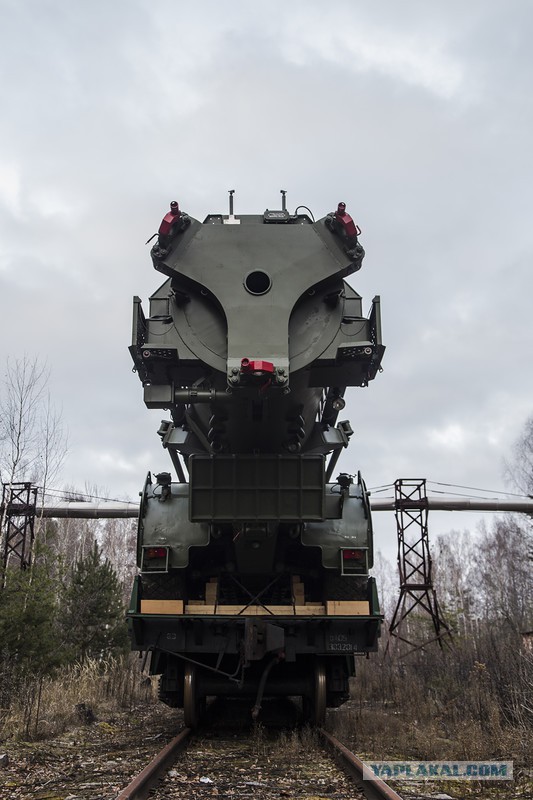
112, 110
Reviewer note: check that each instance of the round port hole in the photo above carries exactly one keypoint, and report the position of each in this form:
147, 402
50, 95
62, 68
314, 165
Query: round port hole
257, 282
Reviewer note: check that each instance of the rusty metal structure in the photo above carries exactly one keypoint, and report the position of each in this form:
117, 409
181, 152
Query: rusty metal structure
18, 517
417, 593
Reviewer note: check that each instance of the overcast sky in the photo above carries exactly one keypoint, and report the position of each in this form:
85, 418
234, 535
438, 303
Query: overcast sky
418, 115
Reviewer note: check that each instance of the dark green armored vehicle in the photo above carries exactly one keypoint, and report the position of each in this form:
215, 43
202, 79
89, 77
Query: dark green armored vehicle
254, 563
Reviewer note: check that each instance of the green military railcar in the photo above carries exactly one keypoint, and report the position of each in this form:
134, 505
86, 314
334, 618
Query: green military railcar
254, 563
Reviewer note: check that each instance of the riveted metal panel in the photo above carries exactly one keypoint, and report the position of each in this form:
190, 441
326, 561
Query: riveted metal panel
257, 487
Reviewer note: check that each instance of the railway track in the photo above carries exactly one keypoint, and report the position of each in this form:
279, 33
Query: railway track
373, 790
225, 764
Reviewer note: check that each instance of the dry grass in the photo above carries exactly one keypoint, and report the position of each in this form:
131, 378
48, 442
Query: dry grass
438, 711
291, 743
80, 694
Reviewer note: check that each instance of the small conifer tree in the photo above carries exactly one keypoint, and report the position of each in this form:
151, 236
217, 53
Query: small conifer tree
92, 610
27, 620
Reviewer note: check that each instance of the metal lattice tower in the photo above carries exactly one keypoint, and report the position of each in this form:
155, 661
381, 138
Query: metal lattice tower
18, 520
414, 564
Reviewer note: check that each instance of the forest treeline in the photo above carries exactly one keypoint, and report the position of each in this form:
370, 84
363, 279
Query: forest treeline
65, 608
65, 611
472, 698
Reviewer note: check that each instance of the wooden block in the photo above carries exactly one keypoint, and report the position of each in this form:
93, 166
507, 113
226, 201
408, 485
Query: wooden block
303, 610
161, 606
232, 611
347, 608
199, 608
277, 611
298, 590
311, 610
211, 591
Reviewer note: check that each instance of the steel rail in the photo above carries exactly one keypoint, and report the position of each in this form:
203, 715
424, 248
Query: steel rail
374, 789
140, 786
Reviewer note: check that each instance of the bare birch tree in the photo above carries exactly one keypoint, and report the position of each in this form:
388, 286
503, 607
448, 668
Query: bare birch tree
33, 442
24, 386
519, 469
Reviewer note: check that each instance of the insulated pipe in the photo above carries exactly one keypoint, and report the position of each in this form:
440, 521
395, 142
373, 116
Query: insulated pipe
116, 510
457, 504
78, 510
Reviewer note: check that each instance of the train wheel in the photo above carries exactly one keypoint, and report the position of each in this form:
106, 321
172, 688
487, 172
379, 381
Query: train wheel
192, 706
314, 706
319, 698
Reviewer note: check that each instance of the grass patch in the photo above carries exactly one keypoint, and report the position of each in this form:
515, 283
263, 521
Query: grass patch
79, 694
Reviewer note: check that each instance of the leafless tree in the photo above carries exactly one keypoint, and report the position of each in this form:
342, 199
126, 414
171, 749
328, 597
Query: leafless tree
386, 576
455, 579
504, 569
33, 442
519, 469
24, 386
118, 538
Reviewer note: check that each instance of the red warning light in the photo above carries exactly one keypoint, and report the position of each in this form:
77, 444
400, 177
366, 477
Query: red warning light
155, 552
354, 555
